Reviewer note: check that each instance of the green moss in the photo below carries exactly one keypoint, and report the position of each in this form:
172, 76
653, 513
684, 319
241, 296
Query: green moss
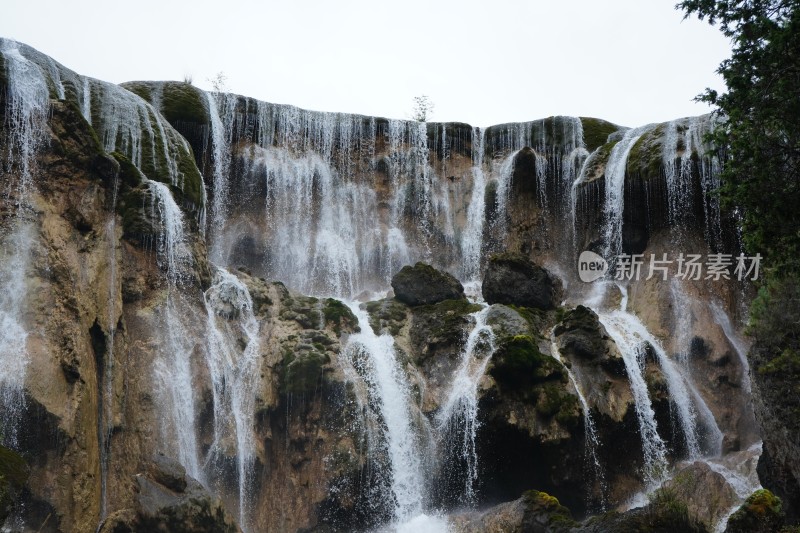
387, 315
646, 157
182, 102
544, 509
446, 318
555, 401
142, 90
666, 512
302, 370
761, 512
128, 173
518, 365
596, 132
339, 316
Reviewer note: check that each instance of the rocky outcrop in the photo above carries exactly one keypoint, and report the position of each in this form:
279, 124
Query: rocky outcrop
168, 500
513, 279
424, 285
534, 512
761, 513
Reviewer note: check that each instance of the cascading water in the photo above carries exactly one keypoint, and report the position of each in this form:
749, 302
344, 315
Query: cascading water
632, 339
26, 114
234, 376
633, 354
590, 433
472, 236
375, 361
457, 420
173, 370
615, 194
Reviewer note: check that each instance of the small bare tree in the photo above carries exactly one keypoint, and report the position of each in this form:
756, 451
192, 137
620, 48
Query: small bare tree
219, 82
423, 108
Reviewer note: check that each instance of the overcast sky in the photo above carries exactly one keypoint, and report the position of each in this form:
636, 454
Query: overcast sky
628, 61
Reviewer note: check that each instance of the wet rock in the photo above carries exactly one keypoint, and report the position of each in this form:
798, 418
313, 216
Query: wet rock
506, 322
581, 334
424, 285
664, 513
534, 512
707, 494
761, 513
513, 279
169, 500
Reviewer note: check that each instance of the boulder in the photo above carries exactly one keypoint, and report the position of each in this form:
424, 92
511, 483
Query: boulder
534, 512
169, 500
580, 334
512, 279
707, 494
761, 513
424, 285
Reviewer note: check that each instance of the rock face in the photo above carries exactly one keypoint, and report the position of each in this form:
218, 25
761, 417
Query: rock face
515, 280
424, 285
168, 500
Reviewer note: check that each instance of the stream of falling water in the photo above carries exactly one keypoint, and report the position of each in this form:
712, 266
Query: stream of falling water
389, 389
173, 371
457, 420
614, 190
26, 114
234, 376
591, 437
633, 338
472, 236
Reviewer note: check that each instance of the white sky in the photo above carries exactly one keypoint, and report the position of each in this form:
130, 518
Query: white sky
627, 61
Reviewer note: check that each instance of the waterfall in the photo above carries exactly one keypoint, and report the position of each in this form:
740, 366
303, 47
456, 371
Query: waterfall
457, 420
738, 344
376, 362
591, 437
633, 354
472, 236
221, 131
615, 191
26, 114
234, 375
173, 370
632, 338
684, 325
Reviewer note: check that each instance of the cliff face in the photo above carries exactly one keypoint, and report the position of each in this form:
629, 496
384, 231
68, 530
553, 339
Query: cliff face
153, 356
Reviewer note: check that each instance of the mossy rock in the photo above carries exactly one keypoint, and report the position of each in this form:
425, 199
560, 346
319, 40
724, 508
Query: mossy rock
179, 102
518, 366
544, 512
762, 512
302, 369
596, 132
555, 402
183, 102
387, 316
646, 159
339, 316
665, 513
305, 310
14, 474
422, 284
441, 324
513, 279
